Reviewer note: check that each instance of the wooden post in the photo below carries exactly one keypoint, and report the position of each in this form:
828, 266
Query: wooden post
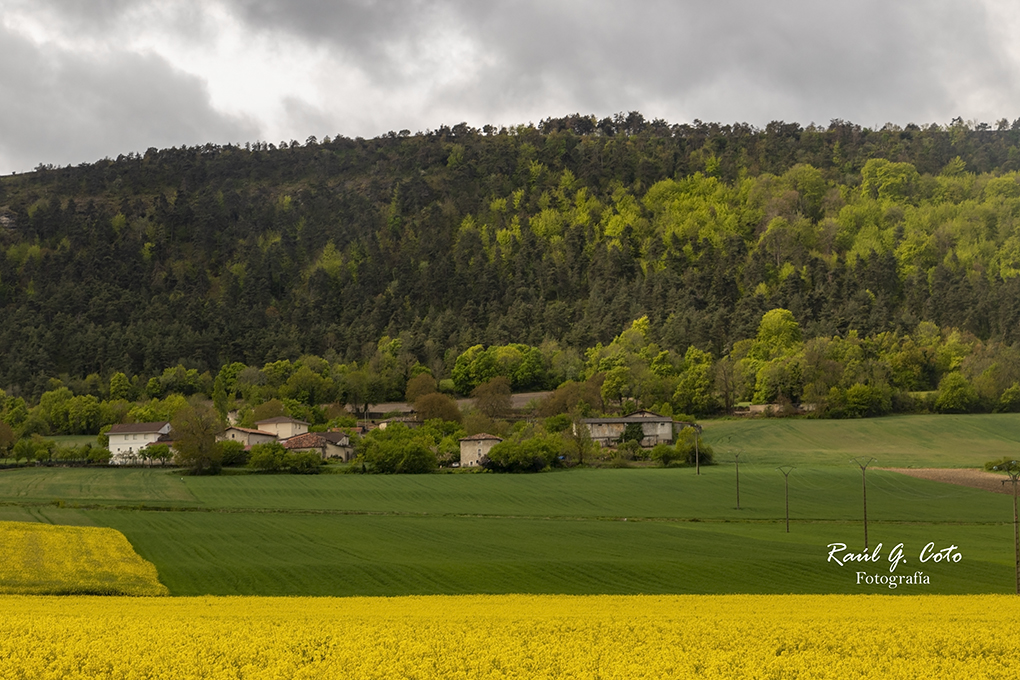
786, 474
1016, 532
736, 460
787, 505
1014, 476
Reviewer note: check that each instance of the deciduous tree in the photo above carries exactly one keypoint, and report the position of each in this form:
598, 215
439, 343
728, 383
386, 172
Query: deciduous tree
194, 431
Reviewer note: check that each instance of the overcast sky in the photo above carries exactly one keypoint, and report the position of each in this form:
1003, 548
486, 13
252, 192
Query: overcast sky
81, 80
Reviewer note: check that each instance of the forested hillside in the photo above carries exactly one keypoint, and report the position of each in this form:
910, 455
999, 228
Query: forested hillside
566, 231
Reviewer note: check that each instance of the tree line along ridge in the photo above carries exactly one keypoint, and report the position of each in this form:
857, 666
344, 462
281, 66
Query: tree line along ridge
554, 236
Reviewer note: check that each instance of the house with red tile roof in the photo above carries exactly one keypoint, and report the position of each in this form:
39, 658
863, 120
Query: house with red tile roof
335, 445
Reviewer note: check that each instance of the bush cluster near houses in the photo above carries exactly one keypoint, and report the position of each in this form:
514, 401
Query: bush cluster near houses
929, 370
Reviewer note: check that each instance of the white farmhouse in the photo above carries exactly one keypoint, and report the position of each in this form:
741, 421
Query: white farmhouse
128, 439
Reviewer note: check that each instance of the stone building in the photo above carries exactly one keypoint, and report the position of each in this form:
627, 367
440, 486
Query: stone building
474, 447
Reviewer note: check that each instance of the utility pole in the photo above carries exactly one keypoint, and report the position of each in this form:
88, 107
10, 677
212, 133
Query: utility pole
786, 470
1013, 470
736, 460
864, 480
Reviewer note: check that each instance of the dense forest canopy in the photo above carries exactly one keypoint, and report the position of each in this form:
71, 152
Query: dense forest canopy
563, 232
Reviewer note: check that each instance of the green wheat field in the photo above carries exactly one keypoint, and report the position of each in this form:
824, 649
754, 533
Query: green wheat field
582, 531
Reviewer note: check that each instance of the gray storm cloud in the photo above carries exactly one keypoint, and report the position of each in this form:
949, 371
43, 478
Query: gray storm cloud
797, 60
867, 60
61, 107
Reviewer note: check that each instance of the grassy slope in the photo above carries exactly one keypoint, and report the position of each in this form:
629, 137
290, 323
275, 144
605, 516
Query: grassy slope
899, 441
560, 532
816, 494
94, 485
563, 531
366, 555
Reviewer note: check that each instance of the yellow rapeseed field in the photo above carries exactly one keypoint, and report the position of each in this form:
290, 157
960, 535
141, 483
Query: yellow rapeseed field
50, 559
511, 636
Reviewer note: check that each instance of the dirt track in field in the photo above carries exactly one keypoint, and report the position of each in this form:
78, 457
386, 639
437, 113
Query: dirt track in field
978, 479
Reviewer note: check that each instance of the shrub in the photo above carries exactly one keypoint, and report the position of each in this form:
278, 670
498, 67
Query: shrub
273, 457
103, 438
98, 455
532, 454
402, 456
685, 447
232, 452
617, 461
558, 423
302, 463
859, 401
630, 449
23, 448
399, 450
1009, 402
1006, 463
664, 454
956, 394
267, 457
160, 452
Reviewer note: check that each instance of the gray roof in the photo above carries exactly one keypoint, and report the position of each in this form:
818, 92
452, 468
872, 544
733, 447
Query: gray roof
637, 417
138, 428
481, 436
338, 438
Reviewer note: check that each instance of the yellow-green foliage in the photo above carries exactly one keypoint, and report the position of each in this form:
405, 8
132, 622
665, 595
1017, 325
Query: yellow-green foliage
43, 559
512, 636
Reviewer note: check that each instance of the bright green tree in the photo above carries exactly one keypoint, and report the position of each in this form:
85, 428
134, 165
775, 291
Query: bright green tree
120, 387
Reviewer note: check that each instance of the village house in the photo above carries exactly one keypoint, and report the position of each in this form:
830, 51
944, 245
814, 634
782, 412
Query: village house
656, 429
326, 444
283, 427
474, 447
128, 439
246, 436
